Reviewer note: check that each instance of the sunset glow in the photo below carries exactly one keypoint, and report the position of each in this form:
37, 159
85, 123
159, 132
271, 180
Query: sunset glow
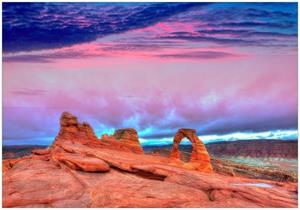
228, 70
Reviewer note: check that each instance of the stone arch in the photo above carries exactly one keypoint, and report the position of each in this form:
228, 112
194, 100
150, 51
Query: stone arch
199, 157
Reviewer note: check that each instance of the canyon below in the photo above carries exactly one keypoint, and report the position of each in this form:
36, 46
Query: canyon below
80, 170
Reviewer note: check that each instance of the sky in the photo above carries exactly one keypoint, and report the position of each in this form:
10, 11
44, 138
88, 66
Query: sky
228, 70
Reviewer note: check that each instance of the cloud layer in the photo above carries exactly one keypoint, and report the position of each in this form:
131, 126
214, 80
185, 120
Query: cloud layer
220, 68
33, 26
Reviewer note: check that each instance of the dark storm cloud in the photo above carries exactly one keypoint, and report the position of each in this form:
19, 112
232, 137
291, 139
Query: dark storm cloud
199, 55
283, 25
200, 38
159, 134
229, 125
251, 12
194, 95
251, 125
245, 33
265, 39
244, 14
34, 26
49, 57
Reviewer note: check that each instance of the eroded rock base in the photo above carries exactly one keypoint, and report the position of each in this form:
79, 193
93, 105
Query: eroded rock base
81, 176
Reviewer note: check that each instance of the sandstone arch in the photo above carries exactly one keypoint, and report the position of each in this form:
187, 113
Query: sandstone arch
200, 159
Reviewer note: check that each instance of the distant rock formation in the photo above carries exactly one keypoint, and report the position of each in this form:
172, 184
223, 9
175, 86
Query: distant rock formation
129, 136
73, 131
124, 140
200, 159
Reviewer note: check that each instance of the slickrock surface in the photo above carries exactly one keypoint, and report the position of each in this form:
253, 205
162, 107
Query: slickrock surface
231, 168
80, 162
79, 170
235, 169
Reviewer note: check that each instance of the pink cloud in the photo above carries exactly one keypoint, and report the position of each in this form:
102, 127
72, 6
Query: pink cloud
209, 96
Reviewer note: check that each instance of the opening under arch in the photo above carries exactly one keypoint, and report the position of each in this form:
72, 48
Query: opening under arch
185, 150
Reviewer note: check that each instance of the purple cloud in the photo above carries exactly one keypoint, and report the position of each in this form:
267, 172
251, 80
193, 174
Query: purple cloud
199, 55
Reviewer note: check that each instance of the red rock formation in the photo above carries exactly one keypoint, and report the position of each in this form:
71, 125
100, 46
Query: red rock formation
78, 173
71, 130
123, 140
129, 137
134, 180
74, 132
200, 159
6, 165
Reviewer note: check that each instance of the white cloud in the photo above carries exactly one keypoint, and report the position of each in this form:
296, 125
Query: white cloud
276, 134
